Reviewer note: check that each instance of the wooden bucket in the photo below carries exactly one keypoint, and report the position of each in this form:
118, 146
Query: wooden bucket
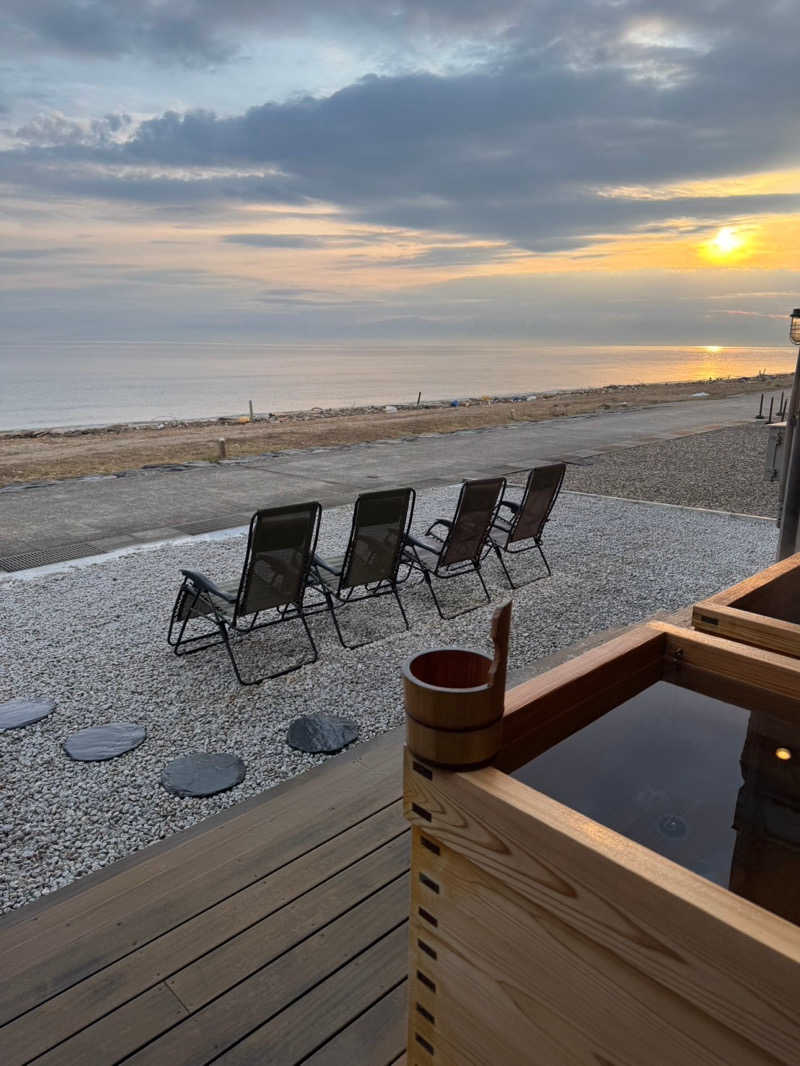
454, 700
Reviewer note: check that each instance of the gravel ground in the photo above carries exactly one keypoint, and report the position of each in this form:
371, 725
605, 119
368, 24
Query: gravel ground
723, 470
92, 638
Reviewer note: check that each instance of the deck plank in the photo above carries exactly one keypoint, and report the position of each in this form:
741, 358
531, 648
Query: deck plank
272, 991
323, 788
57, 958
276, 933
234, 961
373, 1039
118, 1034
58, 1018
303, 1026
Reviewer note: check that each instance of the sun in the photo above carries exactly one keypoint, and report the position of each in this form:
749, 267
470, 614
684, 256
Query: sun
727, 243
727, 240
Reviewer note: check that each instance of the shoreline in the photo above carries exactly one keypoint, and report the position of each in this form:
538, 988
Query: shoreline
300, 415
64, 452
768, 381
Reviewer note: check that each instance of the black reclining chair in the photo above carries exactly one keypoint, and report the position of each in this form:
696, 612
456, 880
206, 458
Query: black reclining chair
280, 548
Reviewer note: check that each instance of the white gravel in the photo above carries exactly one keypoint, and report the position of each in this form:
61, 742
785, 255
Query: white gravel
92, 638
723, 470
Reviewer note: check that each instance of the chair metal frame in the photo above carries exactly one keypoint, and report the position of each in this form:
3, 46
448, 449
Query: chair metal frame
506, 529
458, 568
344, 593
200, 597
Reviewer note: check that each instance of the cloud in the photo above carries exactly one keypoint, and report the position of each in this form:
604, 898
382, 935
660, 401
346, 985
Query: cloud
57, 129
37, 253
203, 31
274, 240
559, 127
111, 28
751, 314
519, 150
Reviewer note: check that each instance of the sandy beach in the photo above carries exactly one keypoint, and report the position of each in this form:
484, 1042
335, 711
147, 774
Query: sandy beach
33, 455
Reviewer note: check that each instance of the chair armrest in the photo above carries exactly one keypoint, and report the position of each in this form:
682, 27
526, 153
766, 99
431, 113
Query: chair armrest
409, 539
439, 522
205, 584
510, 505
321, 562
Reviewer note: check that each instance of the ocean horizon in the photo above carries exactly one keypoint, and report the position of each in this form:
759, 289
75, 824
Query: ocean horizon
99, 384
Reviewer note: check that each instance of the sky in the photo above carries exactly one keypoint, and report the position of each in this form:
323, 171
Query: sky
554, 172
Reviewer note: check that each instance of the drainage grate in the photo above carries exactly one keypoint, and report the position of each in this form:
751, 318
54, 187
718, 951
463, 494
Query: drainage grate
58, 554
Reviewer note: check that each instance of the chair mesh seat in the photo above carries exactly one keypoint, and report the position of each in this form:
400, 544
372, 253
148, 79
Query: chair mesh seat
502, 525
428, 556
280, 546
525, 523
208, 602
369, 567
458, 551
335, 562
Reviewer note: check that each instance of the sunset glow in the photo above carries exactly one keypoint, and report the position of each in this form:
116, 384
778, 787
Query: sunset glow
326, 178
728, 243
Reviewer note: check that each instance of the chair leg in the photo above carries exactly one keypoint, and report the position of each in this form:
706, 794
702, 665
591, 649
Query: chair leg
429, 583
310, 639
180, 645
363, 643
332, 608
254, 620
483, 583
544, 559
466, 610
278, 673
179, 600
396, 595
226, 640
501, 560
521, 584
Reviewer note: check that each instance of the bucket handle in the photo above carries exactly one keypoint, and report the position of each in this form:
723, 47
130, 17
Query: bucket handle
501, 633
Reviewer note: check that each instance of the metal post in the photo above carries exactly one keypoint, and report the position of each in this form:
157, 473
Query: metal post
761, 407
789, 503
769, 416
251, 409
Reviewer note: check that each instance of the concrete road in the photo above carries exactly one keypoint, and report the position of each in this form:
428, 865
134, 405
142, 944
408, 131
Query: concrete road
84, 516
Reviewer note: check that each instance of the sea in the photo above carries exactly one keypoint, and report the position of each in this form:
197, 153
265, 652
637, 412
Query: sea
101, 384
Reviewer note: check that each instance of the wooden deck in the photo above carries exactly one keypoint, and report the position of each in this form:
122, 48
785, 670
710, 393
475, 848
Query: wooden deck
272, 934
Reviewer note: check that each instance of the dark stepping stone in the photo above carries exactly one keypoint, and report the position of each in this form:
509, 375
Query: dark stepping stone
202, 774
321, 733
104, 741
16, 713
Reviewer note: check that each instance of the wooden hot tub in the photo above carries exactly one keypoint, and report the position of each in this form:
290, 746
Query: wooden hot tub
621, 885
763, 610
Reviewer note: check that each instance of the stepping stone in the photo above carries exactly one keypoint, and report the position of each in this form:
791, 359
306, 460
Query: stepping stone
323, 733
202, 774
20, 712
104, 741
